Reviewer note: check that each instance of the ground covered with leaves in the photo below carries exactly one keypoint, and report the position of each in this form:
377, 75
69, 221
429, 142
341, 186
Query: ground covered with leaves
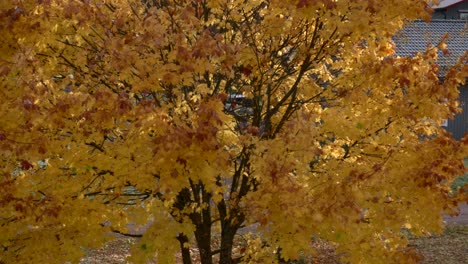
449, 248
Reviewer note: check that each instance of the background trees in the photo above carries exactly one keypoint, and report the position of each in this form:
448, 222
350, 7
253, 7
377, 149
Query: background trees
112, 113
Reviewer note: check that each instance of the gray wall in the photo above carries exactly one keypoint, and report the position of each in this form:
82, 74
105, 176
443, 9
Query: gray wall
451, 12
459, 126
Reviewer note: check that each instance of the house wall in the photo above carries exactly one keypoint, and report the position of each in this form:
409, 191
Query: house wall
459, 125
450, 12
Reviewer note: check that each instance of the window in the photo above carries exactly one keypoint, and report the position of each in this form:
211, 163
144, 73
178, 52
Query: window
444, 123
463, 14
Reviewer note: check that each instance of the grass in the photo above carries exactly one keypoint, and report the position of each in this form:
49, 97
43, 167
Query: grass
449, 248
461, 181
113, 252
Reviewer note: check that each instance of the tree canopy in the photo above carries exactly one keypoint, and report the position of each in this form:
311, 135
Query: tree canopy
116, 112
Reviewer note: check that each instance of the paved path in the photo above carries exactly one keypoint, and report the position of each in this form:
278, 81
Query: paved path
461, 219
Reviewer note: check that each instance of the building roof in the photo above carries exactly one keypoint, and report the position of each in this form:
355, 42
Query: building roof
446, 3
418, 35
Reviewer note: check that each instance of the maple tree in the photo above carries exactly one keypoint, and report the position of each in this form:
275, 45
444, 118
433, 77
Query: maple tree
113, 113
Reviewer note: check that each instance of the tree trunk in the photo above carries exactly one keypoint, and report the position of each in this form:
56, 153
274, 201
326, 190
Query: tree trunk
227, 240
232, 221
204, 246
229, 226
203, 229
186, 258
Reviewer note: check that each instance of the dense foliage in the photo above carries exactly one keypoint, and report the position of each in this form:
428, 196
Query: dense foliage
124, 112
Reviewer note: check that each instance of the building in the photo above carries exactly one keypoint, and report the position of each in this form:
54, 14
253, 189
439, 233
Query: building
449, 17
451, 9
